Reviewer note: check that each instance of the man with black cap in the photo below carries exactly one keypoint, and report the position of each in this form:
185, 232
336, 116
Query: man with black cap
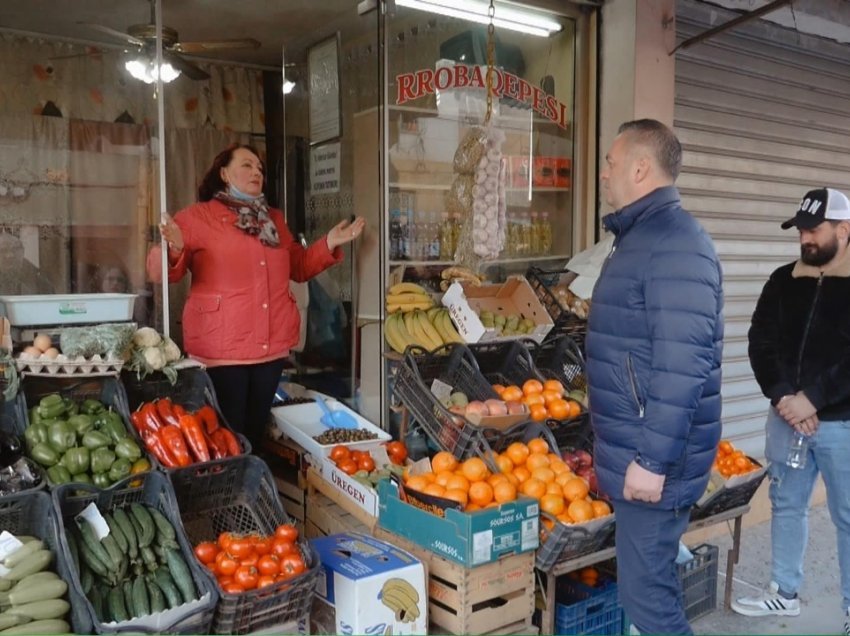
800, 353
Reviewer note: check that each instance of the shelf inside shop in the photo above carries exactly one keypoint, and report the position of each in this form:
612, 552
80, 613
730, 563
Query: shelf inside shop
440, 186
506, 118
497, 261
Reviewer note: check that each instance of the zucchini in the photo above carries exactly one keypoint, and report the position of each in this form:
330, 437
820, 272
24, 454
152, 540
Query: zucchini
35, 562
8, 620
86, 579
94, 544
40, 610
123, 522
115, 531
181, 575
127, 591
145, 523
21, 553
96, 600
36, 579
92, 561
149, 558
157, 598
48, 626
141, 602
115, 555
5, 585
73, 548
115, 603
164, 529
45, 591
166, 584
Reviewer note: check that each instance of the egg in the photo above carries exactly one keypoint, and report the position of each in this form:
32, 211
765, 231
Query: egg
32, 352
51, 353
42, 342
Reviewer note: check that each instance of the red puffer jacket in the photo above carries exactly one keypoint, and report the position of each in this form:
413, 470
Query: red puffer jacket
239, 305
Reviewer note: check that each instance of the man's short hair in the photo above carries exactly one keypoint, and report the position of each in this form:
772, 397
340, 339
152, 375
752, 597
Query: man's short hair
662, 141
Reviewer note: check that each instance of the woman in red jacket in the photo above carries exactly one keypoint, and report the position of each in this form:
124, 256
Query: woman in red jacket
240, 319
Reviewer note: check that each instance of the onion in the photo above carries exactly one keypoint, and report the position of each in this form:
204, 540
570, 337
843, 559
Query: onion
515, 407
496, 407
476, 407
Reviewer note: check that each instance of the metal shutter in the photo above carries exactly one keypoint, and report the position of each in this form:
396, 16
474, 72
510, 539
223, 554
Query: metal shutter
763, 114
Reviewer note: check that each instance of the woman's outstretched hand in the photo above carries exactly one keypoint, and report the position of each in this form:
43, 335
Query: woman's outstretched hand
345, 232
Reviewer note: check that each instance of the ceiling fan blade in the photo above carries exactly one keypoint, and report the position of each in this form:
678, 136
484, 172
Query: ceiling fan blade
216, 45
114, 32
185, 66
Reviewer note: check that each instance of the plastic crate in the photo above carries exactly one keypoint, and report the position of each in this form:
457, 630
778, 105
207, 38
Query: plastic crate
572, 434
566, 322
699, 581
729, 498
506, 362
564, 542
456, 366
562, 359
239, 495
581, 609
155, 491
32, 513
13, 418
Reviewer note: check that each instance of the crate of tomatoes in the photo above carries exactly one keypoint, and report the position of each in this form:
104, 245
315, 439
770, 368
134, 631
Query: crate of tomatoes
734, 480
233, 517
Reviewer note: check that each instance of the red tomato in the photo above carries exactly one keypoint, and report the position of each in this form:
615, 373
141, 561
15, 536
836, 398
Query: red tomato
241, 548
264, 581
206, 552
269, 564
348, 466
262, 545
246, 576
339, 452
280, 548
250, 560
233, 588
287, 532
357, 454
366, 463
292, 565
224, 540
225, 564
397, 452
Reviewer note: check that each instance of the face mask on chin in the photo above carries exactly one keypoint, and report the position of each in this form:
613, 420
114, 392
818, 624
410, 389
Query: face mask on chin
236, 193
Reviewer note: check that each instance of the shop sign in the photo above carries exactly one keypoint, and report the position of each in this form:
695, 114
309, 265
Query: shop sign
427, 81
324, 169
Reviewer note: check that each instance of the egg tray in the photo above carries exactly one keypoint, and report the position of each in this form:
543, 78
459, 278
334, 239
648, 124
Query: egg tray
77, 368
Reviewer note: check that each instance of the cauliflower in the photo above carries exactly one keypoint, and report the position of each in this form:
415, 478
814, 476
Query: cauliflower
154, 358
170, 349
146, 337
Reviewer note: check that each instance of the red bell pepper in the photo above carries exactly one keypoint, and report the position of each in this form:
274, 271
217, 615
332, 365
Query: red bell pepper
155, 445
149, 418
173, 439
165, 410
178, 410
209, 417
226, 439
194, 434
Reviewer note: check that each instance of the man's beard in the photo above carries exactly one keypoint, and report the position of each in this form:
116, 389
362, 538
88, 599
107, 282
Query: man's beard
816, 255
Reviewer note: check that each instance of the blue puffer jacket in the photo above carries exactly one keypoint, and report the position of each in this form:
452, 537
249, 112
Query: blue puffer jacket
654, 346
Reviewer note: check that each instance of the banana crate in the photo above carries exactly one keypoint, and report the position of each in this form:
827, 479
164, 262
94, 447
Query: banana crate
496, 598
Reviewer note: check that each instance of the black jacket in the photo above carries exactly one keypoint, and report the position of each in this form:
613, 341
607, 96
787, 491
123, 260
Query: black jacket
800, 336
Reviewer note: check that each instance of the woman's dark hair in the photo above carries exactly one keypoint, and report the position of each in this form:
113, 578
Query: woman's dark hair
212, 181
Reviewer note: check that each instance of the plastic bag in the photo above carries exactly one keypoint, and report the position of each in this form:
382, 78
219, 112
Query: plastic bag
470, 150
326, 320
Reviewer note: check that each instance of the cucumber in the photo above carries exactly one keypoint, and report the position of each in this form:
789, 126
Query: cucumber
127, 591
73, 548
181, 575
49, 626
36, 579
149, 557
44, 591
86, 579
166, 584
5, 585
114, 552
123, 522
21, 553
40, 610
157, 598
141, 602
115, 602
92, 561
94, 544
32, 563
115, 531
96, 599
8, 620
145, 524
164, 529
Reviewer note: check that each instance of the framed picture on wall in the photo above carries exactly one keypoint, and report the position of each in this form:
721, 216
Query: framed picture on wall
325, 98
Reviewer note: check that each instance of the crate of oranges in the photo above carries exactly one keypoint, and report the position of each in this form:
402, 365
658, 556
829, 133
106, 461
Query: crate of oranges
734, 479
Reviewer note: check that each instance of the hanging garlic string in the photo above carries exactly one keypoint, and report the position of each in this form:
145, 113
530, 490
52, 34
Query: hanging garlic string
491, 60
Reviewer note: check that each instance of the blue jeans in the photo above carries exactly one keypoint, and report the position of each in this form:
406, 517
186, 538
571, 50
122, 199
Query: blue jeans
647, 541
791, 492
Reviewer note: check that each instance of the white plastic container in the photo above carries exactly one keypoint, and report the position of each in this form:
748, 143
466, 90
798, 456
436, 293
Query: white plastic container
67, 309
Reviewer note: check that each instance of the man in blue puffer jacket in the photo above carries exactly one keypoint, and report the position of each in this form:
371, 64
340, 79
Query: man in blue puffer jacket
654, 345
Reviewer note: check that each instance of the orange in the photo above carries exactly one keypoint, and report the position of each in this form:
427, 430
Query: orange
513, 479
429, 477
550, 396
533, 398
458, 495
497, 478
443, 478
504, 492
538, 412
554, 489
533, 488
511, 393
553, 504
472, 507
559, 409
575, 408
536, 460
498, 388
565, 518
538, 445
548, 524
544, 474
457, 482
600, 509
443, 461
417, 482
518, 453
580, 511
521, 473
553, 385
558, 466
575, 489
564, 477
492, 504
504, 463
434, 489
725, 447
481, 493
474, 469
532, 386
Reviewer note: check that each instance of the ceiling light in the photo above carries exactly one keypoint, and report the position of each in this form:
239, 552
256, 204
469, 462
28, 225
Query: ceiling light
146, 70
288, 86
476, 11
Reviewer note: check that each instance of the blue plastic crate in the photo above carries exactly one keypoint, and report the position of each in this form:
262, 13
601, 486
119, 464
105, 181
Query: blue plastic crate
588, 610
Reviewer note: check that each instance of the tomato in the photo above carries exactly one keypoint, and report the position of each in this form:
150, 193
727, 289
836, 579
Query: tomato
292, 565
366, 463
262, 545
233, 588
287, 532
224, 580
246, 576
241, 548
206, 552
269, 564
356, 455
281, 547
250, 560
225, 564
348, 466
397, 452
339, 452
264, 581
225, 539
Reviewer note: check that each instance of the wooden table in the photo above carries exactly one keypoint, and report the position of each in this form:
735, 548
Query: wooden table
547, 624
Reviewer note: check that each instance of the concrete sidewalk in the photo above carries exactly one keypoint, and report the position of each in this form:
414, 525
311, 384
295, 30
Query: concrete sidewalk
821, 611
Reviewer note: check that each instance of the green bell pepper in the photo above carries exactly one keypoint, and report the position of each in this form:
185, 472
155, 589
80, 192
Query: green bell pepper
120, 469
35, 434
110, 422
101, 480
71, 407
128, 449
96, 439
81, 423
91, 407
58, 475
102, 460
35, 416
61, 436
77, 460
44, 454
51, 406
82, 478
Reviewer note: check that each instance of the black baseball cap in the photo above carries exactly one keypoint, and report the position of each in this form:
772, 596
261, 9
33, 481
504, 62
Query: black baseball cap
817, 206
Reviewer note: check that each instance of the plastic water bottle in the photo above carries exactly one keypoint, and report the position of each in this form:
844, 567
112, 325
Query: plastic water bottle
798, 450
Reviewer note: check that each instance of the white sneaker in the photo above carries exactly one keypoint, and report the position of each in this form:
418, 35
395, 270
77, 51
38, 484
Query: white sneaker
768, 603
847, 623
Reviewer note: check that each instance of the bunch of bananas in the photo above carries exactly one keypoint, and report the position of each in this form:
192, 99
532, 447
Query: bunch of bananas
428, 329
408, 297
402, 598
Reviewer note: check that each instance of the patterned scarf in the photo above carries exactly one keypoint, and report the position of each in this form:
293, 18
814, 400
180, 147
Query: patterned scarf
252, 217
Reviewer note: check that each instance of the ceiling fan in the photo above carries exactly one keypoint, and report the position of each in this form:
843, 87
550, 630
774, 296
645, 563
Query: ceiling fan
143, 36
